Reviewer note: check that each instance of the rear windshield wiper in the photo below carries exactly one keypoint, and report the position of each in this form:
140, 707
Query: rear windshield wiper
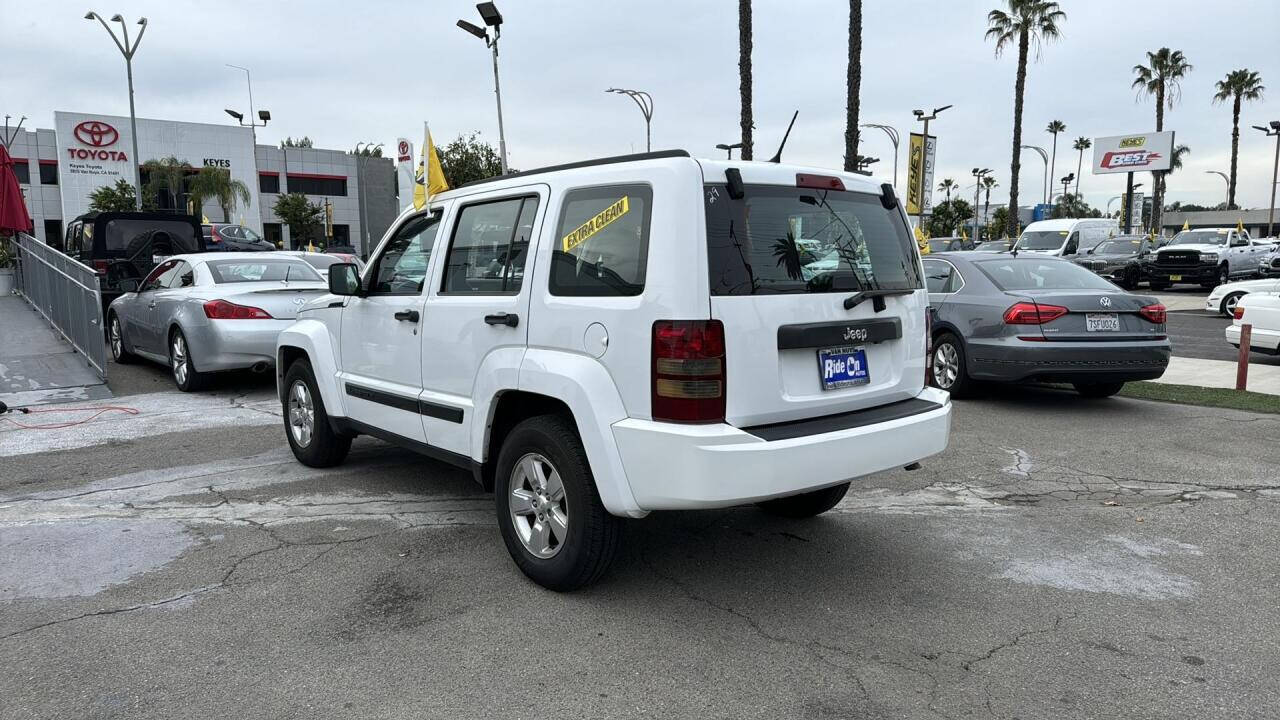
876, 296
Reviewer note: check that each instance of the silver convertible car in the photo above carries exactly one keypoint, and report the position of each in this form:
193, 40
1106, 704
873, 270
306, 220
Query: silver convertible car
203, 313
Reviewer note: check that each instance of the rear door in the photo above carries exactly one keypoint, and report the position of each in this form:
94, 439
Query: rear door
782, 260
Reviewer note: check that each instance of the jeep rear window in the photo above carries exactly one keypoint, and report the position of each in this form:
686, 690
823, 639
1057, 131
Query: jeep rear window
120, 233
781, 240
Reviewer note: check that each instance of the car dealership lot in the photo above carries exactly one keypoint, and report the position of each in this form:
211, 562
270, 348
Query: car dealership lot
1064, 558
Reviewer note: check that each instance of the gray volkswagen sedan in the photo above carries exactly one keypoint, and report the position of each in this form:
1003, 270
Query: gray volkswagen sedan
1008, 317
207, 312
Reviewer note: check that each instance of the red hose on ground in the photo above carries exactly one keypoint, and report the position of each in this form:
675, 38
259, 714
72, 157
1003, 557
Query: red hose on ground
57, 426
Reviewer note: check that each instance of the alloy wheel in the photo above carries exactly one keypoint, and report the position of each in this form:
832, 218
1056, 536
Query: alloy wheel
178, 355
539, 509
1231, 302
302, 413
946, 365
117, 344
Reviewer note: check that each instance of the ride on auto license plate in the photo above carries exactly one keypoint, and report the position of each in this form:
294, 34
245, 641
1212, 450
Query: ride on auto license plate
842, 367
1102, 322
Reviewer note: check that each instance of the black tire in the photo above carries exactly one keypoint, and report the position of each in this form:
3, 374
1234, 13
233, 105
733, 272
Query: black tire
962, 385
806, 505
1098, 390
592, 535
1157, 285
189, 379
1229, 302
1130, 281
116, 341
1224, 277
322, 447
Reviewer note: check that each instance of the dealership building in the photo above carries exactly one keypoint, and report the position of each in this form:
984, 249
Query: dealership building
58, 169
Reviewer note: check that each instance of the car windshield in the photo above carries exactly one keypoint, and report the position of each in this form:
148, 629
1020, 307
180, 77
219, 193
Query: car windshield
1026, 273
1119, 246
275, 269
778, 239
1200, 237
249, 234
1042, 240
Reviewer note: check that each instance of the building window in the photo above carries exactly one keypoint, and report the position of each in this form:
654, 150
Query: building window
48, 173
23, 171
273, 233
318, 184
53, 233
268, 182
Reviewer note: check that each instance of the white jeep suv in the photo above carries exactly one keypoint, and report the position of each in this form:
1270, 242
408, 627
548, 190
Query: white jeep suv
607, 338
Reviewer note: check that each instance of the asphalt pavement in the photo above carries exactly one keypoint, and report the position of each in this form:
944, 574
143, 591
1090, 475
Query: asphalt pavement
1064, 558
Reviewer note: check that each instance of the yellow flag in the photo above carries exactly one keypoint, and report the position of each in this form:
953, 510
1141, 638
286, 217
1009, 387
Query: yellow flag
1186, 224
1240, 225
922, 241
429, 178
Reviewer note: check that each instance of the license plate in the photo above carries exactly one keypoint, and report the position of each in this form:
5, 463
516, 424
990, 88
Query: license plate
843, 367
1102, 322
1175, 278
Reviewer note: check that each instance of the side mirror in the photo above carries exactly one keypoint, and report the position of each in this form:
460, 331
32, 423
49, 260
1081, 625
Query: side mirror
344, 279
129, 285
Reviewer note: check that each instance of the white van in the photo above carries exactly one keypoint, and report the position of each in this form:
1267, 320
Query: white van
1066, 236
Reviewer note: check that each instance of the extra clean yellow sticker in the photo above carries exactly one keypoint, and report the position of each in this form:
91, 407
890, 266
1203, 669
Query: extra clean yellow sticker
584, 231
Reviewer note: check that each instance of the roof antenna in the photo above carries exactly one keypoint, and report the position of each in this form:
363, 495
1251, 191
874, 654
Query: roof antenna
777, 157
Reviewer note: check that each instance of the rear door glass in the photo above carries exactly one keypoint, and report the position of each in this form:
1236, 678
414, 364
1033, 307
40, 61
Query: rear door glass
602, 241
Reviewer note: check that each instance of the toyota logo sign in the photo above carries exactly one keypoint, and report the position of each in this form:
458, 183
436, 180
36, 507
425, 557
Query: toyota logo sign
96, 133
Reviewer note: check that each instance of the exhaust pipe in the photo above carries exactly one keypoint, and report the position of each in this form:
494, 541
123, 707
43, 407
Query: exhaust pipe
260, 366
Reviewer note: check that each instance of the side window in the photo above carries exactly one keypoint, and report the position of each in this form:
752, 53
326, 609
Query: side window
489, 248
937, 276
1073, 242
157, 279
183, 275
602, 242
402, 267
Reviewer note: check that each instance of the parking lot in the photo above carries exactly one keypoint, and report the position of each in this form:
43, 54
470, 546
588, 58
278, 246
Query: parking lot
1064, 558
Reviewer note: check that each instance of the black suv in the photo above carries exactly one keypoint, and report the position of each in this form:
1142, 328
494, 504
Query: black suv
128, 245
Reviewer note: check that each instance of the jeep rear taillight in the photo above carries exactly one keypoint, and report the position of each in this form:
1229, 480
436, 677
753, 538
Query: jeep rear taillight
688, 373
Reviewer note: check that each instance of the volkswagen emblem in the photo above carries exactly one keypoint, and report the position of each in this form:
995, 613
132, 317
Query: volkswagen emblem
95, 133
1106, 302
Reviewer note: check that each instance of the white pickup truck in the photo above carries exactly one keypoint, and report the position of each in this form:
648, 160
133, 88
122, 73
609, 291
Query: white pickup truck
605, 339
1207, 257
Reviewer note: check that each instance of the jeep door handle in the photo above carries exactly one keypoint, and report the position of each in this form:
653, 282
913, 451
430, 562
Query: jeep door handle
508, 319
409, 315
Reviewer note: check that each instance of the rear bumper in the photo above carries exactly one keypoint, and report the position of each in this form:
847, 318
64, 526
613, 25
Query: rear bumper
234, 344
673, 467
1261, 340
1192, 274
1018, 361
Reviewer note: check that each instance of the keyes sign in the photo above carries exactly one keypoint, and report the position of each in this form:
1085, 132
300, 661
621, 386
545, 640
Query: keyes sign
1143, 152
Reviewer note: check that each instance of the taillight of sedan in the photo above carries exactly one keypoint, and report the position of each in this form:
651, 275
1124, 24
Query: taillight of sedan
223, 310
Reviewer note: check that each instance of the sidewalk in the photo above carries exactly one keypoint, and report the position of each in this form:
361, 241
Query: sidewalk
36, 365
1220, 374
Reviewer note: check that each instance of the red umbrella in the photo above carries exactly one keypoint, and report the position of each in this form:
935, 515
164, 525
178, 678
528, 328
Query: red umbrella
13, 211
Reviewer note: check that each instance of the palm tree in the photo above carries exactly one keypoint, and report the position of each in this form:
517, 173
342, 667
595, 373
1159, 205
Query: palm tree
947, 185
1026, 22
853, 86
1175, 163
744, 75
216, 183
988, 182
1055, 127
1161, 78
1081, 144
167, 174
1238, 86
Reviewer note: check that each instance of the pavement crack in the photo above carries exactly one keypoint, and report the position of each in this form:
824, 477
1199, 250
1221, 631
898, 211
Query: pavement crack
1013, 642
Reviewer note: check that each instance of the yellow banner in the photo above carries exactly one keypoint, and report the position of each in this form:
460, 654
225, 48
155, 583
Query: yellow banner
595, 224
914, 152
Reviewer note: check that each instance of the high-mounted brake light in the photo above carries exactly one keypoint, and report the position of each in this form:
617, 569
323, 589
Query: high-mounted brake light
819, 182
223, 310
1154, 313
688, 372
1025, 313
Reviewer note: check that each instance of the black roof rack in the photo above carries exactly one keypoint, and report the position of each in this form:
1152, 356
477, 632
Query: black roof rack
584, 163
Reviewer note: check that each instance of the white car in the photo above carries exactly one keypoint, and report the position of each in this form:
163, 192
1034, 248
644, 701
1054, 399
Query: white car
609, 338
322, 260
1262, 312
1223, 298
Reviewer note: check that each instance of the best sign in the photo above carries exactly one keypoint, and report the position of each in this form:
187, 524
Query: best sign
1140, 152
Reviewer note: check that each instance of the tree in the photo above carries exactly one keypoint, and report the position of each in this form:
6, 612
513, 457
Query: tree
744, 77
947, 185
1081, 144
301, 215
1055, 127
368, 151
1161, 78
302, 142
167, 174
1072, 206
947, 217
999, 223
217, 183
468, 158
853, 86
114, 198
1237, 86
1175, 163
1026, 23
988, 182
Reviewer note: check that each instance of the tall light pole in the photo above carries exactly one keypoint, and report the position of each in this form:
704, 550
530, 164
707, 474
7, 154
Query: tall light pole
9, 136
645, 101
1273, 131
1226, 204
729, 148
1117, 197
924, 155
492, 18
978, 174
1066, 180
892, 132
364, 212
127, 51
1044, 155
264, 115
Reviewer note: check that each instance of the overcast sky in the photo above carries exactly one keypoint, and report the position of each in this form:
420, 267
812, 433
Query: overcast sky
344, 72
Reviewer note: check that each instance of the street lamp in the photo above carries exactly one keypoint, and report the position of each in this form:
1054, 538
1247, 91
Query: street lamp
1044, 155
492, 18
924, 154
364, 211
1226, 205
127, 51
978, 174
892, 132
729, 148
263, 115
9, 136
645, 101
1067, 180
1273, 131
